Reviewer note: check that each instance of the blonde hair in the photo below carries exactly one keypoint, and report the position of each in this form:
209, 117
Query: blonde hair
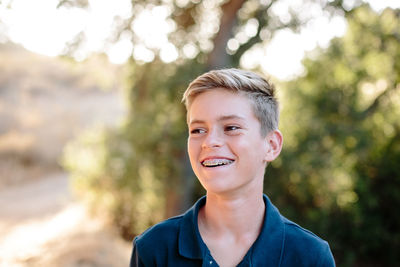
253, 86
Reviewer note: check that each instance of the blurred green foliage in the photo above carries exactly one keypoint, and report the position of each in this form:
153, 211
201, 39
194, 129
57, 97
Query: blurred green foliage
338, 173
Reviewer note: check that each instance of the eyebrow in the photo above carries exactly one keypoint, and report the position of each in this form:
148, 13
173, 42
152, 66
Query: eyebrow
222, 118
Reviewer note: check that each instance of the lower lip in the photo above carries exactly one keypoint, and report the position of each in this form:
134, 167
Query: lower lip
217, 167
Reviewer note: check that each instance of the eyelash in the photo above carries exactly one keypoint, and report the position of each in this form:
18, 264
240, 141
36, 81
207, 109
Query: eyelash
228, 128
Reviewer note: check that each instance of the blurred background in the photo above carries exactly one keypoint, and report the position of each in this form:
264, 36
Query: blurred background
93, 134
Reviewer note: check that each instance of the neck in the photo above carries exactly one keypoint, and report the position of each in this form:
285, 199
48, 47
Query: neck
240, 216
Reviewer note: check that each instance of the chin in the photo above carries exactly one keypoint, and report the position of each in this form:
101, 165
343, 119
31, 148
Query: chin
217, 187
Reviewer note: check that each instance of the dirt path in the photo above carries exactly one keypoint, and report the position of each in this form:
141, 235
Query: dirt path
42, 225
44, 103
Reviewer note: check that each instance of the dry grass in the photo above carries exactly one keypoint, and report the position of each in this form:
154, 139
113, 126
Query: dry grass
44, 102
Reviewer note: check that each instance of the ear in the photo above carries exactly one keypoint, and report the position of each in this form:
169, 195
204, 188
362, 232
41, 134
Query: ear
274, 142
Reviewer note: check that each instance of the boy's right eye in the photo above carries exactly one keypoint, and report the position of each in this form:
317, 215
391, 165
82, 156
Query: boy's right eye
197, 131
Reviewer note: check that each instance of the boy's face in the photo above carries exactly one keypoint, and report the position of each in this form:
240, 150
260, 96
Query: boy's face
226, 149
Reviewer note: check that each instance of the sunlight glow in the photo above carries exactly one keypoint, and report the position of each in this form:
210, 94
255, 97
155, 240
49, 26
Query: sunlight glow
152, 27
141, 53
168, 53
380, 5
284, 54
281, 56
41, 27
120, 51
44, 29
190, 50
28, 240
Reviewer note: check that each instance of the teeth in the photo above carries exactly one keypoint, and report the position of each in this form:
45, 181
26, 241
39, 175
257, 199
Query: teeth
216, 162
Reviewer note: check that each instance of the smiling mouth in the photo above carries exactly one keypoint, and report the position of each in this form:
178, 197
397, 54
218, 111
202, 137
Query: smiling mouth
216, 162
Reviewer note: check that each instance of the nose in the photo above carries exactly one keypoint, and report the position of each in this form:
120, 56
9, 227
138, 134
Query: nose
213, 139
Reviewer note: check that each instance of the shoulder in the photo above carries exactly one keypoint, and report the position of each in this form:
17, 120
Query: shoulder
161, 234
165, 242
298, 234
301, 245
156, 243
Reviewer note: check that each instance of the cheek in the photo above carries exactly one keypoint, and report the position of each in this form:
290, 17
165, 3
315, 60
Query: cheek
193, 153
253, 150
240, 145
192, 148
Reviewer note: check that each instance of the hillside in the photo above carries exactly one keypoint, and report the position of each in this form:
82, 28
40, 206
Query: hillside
44, 102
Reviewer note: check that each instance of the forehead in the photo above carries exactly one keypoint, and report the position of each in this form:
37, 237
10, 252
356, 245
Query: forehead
217, 103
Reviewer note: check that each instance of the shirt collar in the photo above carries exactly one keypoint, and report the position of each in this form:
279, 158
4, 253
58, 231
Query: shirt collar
266, 249
190, 243
269, 244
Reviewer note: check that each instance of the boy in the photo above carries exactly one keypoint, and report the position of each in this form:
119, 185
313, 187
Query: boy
232, 117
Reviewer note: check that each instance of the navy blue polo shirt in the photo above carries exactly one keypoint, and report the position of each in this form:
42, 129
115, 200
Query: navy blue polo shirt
177, 242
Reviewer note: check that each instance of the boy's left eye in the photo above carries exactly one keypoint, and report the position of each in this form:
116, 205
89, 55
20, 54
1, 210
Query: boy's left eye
231, 128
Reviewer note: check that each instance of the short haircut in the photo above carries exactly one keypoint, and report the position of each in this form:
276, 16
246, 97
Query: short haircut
259, 90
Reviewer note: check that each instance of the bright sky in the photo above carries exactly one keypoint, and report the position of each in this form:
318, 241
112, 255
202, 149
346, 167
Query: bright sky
42, 28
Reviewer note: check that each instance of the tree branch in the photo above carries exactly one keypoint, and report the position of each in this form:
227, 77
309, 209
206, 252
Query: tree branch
372, 108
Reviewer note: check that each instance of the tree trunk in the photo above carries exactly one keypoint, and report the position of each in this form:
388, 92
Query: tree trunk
218, 58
